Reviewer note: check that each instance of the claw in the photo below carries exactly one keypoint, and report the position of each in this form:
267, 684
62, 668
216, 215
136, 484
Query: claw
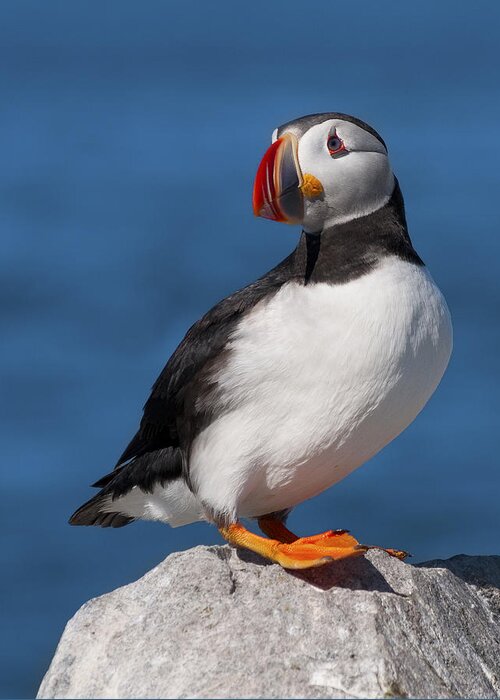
397, 553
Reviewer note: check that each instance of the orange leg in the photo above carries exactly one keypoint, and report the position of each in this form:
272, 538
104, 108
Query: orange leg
276, 529
272, 527
301, 553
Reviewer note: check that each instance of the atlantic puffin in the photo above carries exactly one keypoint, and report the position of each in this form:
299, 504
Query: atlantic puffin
286, 386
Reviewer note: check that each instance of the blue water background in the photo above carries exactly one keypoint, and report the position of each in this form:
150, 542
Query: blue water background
130, 133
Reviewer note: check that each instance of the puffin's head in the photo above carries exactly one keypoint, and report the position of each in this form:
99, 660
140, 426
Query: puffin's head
322, 170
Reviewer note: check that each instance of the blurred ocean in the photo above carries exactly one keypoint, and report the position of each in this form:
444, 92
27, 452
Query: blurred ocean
129, 137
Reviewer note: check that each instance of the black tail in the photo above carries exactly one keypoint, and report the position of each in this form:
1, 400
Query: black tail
91, 513
145, 472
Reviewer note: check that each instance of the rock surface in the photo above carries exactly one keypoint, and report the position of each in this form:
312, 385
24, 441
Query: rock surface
215, 623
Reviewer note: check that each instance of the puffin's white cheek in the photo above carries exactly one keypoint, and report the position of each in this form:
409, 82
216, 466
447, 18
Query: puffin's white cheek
354, 185
316, 212
313, 158
371, 180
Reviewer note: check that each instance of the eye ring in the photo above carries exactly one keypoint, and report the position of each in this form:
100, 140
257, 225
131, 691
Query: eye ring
335, 145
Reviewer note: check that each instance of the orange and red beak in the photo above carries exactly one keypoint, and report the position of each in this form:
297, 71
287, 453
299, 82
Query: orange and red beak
277, 193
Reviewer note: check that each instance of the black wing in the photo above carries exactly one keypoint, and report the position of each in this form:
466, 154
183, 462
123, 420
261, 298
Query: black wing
204, 341
171, 418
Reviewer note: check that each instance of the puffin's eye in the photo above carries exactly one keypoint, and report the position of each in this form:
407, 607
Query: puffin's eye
335, 144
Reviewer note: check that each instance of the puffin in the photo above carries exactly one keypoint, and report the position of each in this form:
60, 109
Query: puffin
286, 386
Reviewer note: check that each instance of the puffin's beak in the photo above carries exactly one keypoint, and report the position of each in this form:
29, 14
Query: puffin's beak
277, 193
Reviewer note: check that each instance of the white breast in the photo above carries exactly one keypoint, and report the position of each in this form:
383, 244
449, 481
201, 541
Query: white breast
319, 379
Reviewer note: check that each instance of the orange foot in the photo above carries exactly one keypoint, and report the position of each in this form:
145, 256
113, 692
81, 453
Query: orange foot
293, 552
302, 552
273, 527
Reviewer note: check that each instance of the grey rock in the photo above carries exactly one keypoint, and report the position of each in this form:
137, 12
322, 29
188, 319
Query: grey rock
212, 622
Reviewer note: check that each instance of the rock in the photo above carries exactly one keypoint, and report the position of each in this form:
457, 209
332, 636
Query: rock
212, 622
